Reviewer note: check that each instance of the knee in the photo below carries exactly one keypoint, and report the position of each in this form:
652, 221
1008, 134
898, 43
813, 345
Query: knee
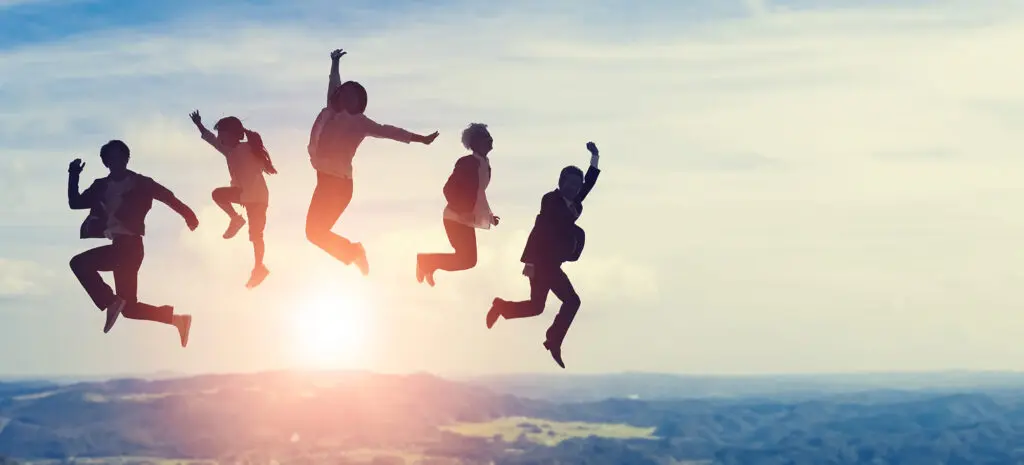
573, 301
468, 257
77, 263
313, 233
537, 307
216, 195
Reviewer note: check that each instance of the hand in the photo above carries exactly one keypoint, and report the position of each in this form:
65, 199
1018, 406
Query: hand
271, 170
592, 148
192, 222
495, 220
428, 139
76, 166
195, 117
337, 54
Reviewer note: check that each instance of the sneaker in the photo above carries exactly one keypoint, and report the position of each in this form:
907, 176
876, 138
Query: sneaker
361, 261
113, 311
234, 226
184, 325
258, 275
494, 312
556, 353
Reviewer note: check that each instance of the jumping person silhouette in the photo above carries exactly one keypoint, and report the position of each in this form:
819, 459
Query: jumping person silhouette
467, 207
118, 204
555, 239
336, 134
247, 162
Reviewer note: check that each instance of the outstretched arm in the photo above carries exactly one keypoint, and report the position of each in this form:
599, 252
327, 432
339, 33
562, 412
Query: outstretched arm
334, 81
387, 131
165, 195
76, 200
590, 178
208, 136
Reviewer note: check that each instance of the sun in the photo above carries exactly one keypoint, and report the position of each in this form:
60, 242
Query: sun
332, 330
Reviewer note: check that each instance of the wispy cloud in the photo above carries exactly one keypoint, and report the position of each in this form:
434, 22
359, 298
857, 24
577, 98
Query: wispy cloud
775, 173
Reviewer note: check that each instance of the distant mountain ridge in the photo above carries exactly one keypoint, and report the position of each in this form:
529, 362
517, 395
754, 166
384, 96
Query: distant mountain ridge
260, 417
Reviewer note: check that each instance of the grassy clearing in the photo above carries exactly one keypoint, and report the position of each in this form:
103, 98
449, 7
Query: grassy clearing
548, 432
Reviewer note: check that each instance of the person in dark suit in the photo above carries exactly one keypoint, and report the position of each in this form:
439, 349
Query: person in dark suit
554, 240
118, 204
467, 209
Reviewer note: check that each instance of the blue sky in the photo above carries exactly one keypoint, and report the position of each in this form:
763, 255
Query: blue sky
781, 179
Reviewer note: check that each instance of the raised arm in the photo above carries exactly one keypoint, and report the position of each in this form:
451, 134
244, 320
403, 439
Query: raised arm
208, 136
334, 81
76, 200
164, 195
590, 178
386, 131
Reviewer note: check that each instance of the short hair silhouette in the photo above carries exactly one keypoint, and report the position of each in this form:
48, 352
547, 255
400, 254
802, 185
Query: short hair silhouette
115, 154
570, 170
472, 134
350, 96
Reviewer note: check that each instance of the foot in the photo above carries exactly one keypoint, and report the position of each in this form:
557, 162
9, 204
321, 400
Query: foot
258, 275
234, 226
556, 352
494, 312
113, 311
361, 261
184, 324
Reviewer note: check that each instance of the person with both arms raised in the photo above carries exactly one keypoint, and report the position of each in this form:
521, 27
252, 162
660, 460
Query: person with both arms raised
554, 240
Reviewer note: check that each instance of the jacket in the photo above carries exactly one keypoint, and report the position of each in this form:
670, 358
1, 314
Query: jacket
135, 205
461, 190
555, 237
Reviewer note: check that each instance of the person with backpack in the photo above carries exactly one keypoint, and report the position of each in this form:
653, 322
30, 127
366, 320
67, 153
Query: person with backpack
336, 134
467, 209
118, 204
554, 240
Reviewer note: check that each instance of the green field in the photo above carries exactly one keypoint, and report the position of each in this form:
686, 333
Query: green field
548, 432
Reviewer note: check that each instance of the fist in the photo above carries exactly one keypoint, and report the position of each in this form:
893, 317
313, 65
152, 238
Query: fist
192, 222
495, 220
76, 166
592, 148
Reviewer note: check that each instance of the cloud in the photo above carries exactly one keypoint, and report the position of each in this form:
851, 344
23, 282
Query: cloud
770, 180
22, 278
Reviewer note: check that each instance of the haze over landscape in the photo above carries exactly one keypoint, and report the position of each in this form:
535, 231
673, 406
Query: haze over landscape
829, 192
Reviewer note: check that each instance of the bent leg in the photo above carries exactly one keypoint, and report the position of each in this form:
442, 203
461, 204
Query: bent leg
562, 288
225, 197
330, 199
87, 266
463, 240
539, 289
143, 311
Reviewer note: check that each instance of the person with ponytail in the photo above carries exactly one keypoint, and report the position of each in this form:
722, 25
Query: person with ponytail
337, 132
248, 160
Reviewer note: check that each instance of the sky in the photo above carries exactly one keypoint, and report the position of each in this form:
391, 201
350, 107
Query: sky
786, 187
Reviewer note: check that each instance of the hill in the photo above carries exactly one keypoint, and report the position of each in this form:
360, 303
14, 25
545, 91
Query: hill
343, 418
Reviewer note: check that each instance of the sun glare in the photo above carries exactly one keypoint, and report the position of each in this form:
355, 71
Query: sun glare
331, 330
